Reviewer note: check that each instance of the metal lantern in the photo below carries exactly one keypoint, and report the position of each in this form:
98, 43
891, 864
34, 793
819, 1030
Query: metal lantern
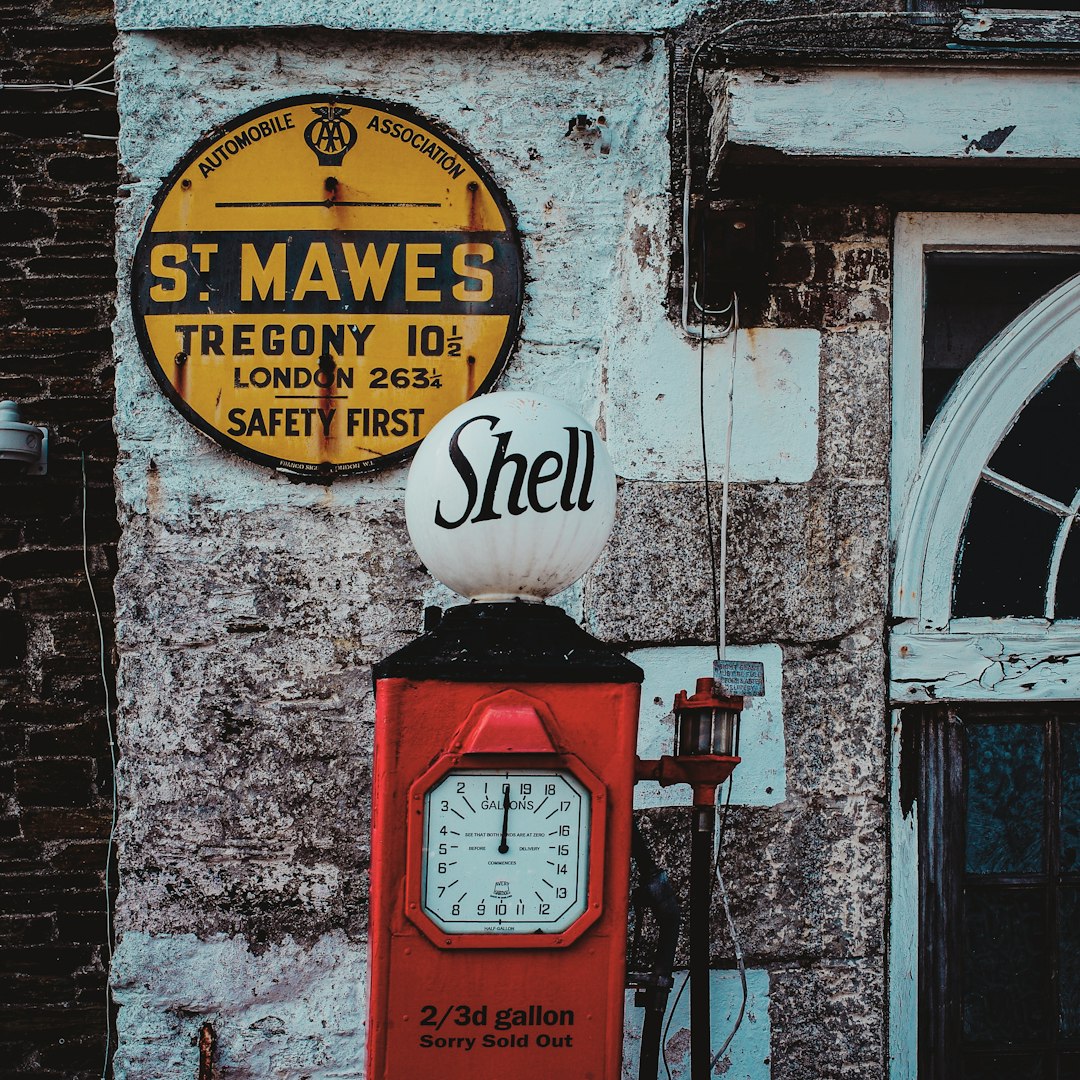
706, 722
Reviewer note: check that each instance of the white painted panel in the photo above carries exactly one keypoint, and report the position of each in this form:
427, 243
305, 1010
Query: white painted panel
924, 114
748, 1056
461, 16
760, 779
654, 387
292, 1010
1009, 662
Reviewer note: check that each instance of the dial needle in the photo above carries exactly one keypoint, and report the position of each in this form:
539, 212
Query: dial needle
503, 846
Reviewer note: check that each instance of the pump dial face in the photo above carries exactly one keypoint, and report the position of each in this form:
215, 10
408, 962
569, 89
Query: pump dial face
506, 851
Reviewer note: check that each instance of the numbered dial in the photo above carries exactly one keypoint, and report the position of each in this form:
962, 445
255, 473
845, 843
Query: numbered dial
505, 851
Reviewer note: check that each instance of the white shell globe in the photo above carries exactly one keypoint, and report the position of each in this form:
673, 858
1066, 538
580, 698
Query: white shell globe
511, 496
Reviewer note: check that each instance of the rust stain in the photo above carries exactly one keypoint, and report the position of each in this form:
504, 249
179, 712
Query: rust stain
641, 242
476, 216
185, 202
326, 394
207, 1046
180, 362
470, 375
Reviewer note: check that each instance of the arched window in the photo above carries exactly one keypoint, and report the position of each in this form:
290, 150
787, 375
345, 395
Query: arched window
1019, 553
985, 652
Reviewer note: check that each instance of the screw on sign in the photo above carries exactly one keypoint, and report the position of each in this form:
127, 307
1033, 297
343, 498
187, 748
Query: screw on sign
323, 322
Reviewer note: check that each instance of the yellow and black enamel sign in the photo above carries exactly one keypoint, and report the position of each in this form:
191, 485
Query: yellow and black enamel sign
320, 282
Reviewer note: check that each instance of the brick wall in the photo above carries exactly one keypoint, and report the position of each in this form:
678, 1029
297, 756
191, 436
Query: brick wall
56, 298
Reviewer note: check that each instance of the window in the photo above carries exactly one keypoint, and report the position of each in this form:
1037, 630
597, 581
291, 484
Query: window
984, 952
1019, 554
970, 298
1015, 556
985, 386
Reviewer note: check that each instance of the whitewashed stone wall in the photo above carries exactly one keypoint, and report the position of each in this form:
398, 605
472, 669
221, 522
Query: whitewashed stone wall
250, 607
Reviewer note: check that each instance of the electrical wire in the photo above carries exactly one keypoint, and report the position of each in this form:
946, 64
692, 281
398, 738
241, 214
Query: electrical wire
718, 566
94, 83
718, 632
721, 828
742, 973
732, 932
721, 636
112, 757
667, 1025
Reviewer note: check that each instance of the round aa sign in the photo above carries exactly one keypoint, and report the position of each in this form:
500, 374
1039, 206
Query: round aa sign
323, 279
511, 496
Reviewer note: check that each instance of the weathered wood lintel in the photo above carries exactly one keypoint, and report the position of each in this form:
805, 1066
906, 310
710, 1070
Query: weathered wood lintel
1014, 663
897, 115
1005, 26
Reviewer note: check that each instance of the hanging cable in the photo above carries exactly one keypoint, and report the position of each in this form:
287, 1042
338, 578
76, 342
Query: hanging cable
705, 838
95, 83
716, 611
722, 816
725, 483
671, 1016
112, 758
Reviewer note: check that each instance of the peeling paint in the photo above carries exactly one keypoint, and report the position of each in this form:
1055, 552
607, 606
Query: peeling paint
991, 141
980, 666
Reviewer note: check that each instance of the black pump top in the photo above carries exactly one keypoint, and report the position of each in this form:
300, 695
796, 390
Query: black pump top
518, 640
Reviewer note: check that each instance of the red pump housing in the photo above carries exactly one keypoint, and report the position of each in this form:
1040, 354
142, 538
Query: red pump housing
499, 698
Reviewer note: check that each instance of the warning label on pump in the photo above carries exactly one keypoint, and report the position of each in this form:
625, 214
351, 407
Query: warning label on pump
464, 1026
318, 284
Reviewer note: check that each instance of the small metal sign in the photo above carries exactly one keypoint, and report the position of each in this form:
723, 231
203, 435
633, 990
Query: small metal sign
739, 678
323, 280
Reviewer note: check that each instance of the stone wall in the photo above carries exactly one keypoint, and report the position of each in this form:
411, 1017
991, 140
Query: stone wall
808, 572
57, 282
250, 608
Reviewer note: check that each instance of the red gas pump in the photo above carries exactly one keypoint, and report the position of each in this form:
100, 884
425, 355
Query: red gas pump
504, 769
504, 773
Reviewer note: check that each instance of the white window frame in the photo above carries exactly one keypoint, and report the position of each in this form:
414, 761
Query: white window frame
932, 656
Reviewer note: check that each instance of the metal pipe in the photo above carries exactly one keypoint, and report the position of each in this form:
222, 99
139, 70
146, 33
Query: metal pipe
701, 876
655, 892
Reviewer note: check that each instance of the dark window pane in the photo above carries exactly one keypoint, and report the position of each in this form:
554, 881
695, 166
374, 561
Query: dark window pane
1004, 997
970, 299
1040, 448
1004, 556
1002, 1067
1067, 597
1070, 796
1069, 960
1004, 798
